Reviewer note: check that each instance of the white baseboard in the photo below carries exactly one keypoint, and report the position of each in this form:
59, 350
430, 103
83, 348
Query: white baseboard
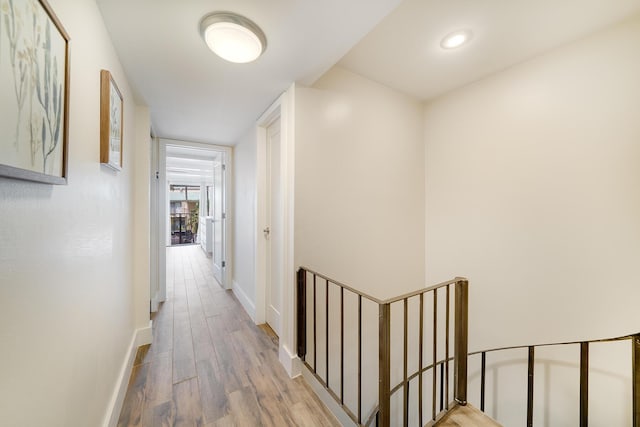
140, 337
248, 305
144, 336
326, 398
289, 360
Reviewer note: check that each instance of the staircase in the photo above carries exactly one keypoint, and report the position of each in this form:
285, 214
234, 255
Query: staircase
466, 416
420, 372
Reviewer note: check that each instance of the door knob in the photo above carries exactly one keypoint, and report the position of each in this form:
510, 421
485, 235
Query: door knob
266, 232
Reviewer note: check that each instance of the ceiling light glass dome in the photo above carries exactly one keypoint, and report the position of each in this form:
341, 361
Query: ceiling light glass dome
233, 37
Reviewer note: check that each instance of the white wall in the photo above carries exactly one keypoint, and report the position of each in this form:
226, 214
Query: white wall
68, 301
142, 219
359, 213
359, 153
532, 193
244, 226
359, 193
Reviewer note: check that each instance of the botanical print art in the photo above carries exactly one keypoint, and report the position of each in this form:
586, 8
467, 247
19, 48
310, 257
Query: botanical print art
110, 122
32, 84
115, 126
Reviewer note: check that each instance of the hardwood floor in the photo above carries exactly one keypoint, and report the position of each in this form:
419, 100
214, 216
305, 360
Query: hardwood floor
209, 364
467, 416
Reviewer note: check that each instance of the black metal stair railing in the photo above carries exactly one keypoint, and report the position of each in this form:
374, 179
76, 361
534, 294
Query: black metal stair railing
380, 414
308, 283
584, 375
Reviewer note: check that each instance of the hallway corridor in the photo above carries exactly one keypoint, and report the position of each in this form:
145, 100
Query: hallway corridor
209, 364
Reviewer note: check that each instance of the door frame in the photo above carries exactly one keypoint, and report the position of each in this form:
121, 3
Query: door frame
273, 257
224, 230
282, 109
159, 213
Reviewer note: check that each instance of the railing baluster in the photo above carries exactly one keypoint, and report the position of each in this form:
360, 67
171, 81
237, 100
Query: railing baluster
408, 397
441, 386
384, 364
446, 352
435, 355
359, 359
635, 345
342, 345
461, 335
530, 364
405, 393
420, 345
302, 313
326, 338
584, 384
315, 320
483, 379
382, 413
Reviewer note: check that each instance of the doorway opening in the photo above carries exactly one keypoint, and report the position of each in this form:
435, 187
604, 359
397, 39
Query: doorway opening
273, 232
184, 214
189, 207
275, 290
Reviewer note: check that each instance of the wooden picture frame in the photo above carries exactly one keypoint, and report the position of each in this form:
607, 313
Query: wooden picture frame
111, 122
34, 82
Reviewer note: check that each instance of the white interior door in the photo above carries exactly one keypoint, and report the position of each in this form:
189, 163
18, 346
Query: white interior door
154, 236
219, 217
273, 232
162, 220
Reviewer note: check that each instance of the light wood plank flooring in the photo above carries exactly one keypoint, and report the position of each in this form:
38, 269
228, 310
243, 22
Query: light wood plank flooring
467, 416
209, 365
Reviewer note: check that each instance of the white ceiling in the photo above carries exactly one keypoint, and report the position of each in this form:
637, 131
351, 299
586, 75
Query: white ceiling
194, 95
404, 51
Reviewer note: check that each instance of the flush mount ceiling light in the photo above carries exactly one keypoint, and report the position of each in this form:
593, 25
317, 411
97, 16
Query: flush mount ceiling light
233, 37
456, 39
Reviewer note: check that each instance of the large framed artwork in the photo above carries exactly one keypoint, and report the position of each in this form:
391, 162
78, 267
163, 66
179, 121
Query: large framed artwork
34, 83
111, 117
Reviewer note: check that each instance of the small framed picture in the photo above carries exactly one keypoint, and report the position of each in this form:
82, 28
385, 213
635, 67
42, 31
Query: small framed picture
111, 117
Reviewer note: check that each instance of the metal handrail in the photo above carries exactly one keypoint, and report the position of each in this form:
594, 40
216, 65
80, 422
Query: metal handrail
381, 413
342, 285
422, 291
583, 371
515, 347
584, 374
385, 390
378, 300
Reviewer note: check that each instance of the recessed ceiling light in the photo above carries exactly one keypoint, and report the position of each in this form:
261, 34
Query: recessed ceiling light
456, 39
233, 37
